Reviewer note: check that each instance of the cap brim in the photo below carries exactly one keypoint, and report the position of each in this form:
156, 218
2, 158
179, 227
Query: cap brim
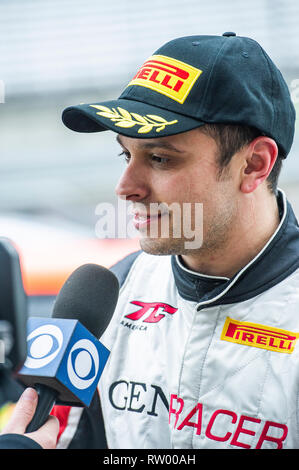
127, 117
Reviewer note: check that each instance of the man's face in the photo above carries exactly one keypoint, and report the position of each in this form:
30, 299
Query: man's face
162, 175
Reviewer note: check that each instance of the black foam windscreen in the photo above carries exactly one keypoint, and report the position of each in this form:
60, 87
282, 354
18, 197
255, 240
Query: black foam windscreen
89, 295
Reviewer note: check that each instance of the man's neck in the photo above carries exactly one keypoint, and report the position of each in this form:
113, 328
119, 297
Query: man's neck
258, 219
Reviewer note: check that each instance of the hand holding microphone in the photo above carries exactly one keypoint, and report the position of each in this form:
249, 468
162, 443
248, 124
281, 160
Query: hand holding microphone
14, 433
65, 358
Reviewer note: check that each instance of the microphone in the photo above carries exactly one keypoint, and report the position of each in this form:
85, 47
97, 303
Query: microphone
65, 359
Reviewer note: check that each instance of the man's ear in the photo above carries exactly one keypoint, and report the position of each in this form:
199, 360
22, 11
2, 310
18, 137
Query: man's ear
259, 159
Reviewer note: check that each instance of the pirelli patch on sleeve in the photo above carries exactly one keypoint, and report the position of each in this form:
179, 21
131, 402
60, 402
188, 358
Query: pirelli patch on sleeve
259, 336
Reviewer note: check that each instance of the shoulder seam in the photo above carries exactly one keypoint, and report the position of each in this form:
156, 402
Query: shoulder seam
124, 266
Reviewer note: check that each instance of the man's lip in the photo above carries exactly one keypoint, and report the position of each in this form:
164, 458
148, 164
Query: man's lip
140, 215
142, 220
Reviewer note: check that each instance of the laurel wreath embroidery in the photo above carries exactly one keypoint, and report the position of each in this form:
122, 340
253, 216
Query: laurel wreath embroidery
122, 118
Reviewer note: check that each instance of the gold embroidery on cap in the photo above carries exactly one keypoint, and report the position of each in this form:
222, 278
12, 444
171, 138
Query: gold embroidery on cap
122, 118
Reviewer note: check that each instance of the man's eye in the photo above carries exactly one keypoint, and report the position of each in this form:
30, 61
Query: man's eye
126, 155
159, 160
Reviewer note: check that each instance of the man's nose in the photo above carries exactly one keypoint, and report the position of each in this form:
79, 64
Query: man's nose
133, 184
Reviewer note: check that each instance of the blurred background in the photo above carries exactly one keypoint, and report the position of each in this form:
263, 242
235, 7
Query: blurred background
55, 53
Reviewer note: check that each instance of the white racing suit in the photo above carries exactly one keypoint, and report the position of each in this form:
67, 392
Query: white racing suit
199, 361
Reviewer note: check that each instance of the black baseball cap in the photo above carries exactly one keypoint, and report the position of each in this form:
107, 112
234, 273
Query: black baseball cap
194, 80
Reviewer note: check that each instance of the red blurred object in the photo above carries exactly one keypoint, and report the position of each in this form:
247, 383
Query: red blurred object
50, 253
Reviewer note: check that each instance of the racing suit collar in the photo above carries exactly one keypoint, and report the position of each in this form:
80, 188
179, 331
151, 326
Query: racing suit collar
277, 260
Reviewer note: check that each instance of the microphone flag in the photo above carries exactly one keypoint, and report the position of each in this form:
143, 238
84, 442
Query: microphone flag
64, 355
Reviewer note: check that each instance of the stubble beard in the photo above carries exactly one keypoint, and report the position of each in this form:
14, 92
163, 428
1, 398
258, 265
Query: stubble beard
216, 233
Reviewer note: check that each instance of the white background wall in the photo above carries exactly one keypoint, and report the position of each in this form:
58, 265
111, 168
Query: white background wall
54, 53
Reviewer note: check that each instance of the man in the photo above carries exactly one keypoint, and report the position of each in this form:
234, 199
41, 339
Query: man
203, 342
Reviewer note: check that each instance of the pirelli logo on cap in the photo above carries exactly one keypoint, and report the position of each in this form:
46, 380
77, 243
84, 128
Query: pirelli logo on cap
259, 336
168, 76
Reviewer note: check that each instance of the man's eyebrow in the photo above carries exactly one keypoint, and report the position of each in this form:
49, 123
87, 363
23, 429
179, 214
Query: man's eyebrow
157, 144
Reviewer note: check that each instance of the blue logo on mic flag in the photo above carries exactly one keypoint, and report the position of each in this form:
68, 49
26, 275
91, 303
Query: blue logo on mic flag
65, 355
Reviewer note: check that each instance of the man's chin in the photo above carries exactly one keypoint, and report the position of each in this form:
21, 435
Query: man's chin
162, 246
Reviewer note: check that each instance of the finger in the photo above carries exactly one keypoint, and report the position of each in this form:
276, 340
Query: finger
46, 435
23, 412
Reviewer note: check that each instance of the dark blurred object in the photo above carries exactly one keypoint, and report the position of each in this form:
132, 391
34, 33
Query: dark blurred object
13, 309
13, 321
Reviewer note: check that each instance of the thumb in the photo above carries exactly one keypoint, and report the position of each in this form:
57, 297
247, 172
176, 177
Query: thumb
23, 412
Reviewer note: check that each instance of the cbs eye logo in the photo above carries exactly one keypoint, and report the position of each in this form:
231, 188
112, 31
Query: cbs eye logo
83, 364
43, 344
